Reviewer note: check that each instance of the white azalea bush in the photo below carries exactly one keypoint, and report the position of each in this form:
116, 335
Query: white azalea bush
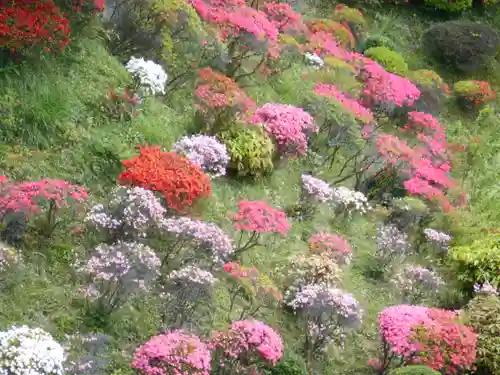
150, 76
314, 60
349, 201
30, 351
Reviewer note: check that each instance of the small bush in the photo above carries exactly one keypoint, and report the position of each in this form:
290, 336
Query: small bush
414, 370
450, 6
483, 314
391, 61
474, 92
340, 31
461, 45
251, 150
350, 16
291, 364
478, 261
427, 78
378, 41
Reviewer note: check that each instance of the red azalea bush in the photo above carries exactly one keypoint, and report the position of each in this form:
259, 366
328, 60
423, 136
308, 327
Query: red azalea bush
427, 336
174, 176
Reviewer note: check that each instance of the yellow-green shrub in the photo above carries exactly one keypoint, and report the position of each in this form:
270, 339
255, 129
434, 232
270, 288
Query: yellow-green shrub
251, 150
390, 60
352, 16
483, 314
478, 261
427, 78
450, 6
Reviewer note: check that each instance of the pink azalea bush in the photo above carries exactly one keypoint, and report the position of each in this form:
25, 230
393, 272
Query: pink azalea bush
364, 115
247, 341
427, 336
324, 44
176, 353
258, 216
332, 245
288, 125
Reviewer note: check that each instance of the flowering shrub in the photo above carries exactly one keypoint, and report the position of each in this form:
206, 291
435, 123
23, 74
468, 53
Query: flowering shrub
325, 44
117, 271
206, 152
315, 189
350, 201
361, 113
174, 176
327, 313
314, 60
414, 282
258, 217
428, 78
347, 15
204, 237
150, 77
341, 31
474, 92
439, 240
25, 350
28, 24
192, 275
27, 198
288, 125
251, 150
284, 18
305, 270
122, 106
129, 213
246, 345
486, 289
392, 61
391, 242
173, 352
432, 337
8, 257
332, 245
253, 288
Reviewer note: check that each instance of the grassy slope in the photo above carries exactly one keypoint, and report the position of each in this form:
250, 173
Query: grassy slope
52, 128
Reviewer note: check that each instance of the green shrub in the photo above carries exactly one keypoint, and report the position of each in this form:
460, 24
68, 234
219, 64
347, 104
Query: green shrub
250, 149
478, 261
474, 92
461, 45
414, 370
450, 6
390, 60
378, 41
351, 16
483, 314
290, 365
426, 78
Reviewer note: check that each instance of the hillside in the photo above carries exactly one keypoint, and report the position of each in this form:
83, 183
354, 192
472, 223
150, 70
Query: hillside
249, 187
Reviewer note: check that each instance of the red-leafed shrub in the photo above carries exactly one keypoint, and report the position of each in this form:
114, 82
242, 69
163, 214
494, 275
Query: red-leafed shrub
179, 180
474, 92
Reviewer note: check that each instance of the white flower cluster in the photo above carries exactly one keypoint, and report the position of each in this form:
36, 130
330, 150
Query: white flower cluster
30, 351
412, 281
316, 189
8, 256
151, 76
350, 200
391, 242
206, 152
314, 60
440, 240
193, 275
486, 289
131, 211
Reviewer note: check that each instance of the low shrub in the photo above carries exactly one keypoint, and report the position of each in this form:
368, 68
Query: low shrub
478, 261
414, 370
350, 16
250, 150
341, 31
474, 93
483, 314
461, 45
427, 78
450, 6
378, 41
390, 60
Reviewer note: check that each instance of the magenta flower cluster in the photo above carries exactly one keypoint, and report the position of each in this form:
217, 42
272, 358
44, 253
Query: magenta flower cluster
331, 245
173, 353
206, 152
316, 189
288, 125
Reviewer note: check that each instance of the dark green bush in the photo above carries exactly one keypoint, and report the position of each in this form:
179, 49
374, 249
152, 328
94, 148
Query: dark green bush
390, 60
462, 45
483, 314
378, 41
414, 370
450, 6
290, 365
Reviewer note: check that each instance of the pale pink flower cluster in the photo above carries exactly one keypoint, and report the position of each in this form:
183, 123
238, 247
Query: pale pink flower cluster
316, 189
350, 200
439, 240
173, 353
486, 289
331, 245
414, 280
288, 125
192, 275
130, 211
361, 113
8, 256
250, 337
207, 236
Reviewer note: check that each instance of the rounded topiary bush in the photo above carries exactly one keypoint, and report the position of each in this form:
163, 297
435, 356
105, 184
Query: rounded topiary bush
378, 41
450, 6
461, 45
483, 314
250, 149
414, 370
389, 59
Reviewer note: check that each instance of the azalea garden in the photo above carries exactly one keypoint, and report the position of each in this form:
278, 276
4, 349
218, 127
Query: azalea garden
252, 187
